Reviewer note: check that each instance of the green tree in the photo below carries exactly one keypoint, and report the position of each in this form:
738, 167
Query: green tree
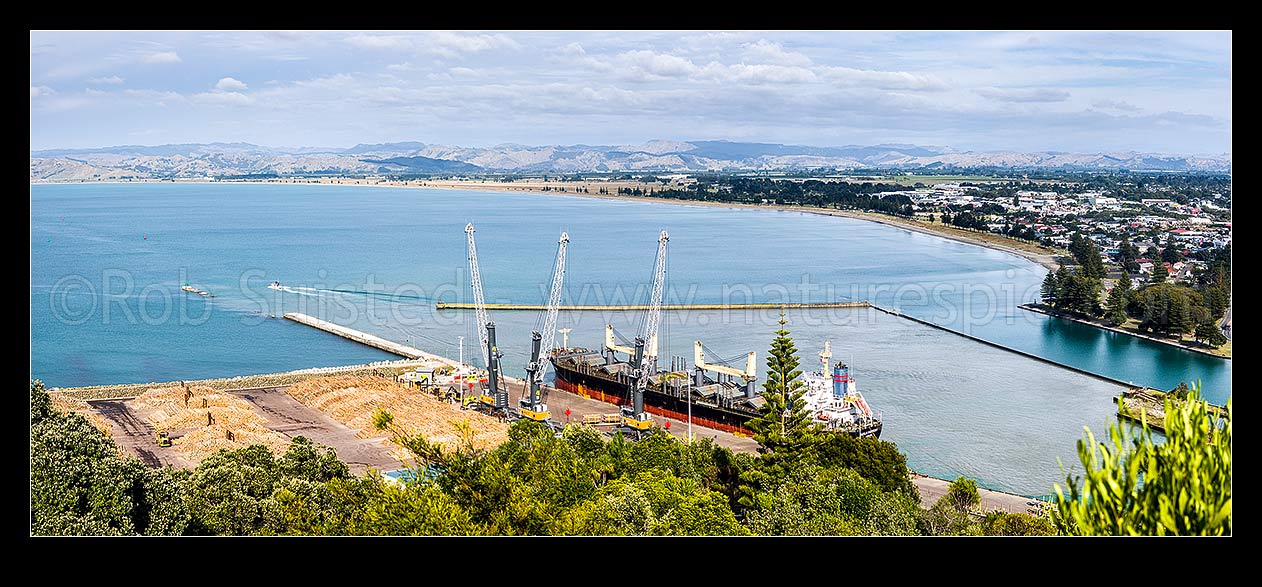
1119, 297
1001, 523
1159, 273
80, 484
1133, 485
1209, 334
1217, 298
1127, 255
303, 460
814, 501
227, 494
414, 509
876, 460
1050, 292
1087, 255
1180, 320
962, 494
944, 519
783, 429
1171, 254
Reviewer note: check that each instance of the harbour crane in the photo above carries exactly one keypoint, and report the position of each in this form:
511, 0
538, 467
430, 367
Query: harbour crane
495, 397
541, 343
748, 375
634, 418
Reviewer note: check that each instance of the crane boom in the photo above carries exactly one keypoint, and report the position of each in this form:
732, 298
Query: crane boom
541, 344
654, 317
643, 361
554, 304
633, 417
748, 373
479, 301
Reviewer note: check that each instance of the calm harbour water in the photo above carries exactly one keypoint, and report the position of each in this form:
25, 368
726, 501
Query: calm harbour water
108, 261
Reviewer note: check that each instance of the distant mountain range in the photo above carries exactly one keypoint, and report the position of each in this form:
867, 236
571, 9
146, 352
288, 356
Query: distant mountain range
237, 159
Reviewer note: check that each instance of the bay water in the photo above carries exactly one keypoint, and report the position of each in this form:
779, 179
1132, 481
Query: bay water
108, 261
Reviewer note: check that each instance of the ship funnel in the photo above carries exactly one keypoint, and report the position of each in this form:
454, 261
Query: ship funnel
841, 379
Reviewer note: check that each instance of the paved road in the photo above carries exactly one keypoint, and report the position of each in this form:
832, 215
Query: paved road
1225, 325
932, 489
288, 416
283, 413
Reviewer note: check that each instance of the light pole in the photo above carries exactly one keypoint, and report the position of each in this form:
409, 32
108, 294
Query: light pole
461, 349
688, 390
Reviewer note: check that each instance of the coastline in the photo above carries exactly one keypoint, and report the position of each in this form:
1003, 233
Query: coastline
1044, 257
1040, 309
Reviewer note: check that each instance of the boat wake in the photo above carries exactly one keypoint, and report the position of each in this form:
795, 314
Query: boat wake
302, 291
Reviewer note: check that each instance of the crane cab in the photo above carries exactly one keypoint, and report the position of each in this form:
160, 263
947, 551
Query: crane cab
640, 422
537, 412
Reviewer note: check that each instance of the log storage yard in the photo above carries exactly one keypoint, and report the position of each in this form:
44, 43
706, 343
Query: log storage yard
333, 410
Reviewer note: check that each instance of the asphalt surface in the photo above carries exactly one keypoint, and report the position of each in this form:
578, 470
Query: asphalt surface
289, 417
283, 413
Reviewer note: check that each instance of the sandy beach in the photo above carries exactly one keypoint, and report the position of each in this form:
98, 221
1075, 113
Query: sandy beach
590, 189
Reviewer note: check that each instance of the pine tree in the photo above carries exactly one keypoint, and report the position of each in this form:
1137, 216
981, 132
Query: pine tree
1180, 315
784, 426
1051, 289
783, 429
1208, 333
1171, 253
1119, 297
1159, 272
1063, 293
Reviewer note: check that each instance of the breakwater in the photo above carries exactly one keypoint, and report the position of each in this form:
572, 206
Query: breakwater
1105, 378
665, 307
367, 339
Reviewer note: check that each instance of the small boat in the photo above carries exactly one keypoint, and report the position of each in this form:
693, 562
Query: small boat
275, 285
191, 289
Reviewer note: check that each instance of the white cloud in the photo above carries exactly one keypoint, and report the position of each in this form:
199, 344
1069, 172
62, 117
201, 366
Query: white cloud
441, 43
889, 80
112, 80
764, 51
1120, 105
465, 43
155, 97
225, 98
387, 42
37, 91
762, 73
1024, 95
228, 84
161, 57
658, 64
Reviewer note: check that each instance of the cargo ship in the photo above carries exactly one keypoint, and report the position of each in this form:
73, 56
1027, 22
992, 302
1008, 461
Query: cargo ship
721, 398
836, 404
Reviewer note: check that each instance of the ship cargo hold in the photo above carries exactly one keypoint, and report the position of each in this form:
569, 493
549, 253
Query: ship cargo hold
722, 402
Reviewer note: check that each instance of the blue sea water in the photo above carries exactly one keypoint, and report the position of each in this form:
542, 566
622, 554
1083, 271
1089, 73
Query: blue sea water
108, 260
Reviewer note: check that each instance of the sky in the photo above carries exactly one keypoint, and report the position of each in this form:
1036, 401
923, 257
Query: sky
1079, 91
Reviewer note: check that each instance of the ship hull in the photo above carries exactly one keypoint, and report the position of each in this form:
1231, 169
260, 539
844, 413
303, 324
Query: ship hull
727, 419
